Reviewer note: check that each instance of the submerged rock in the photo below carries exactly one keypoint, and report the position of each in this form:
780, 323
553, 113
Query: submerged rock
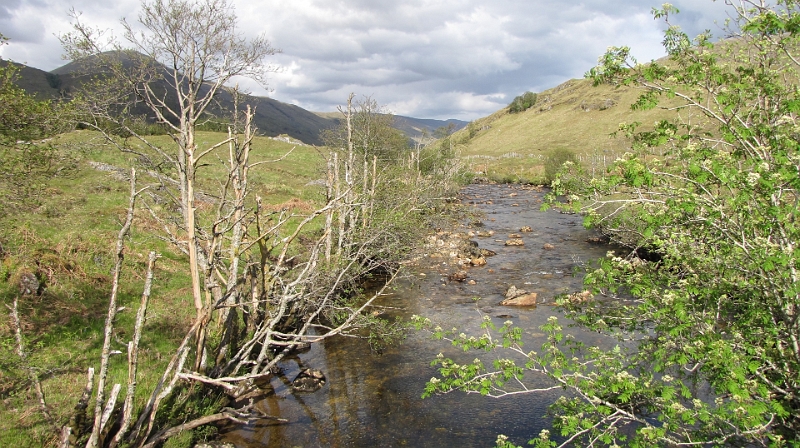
459, 276
309, 380
519, 297
528, 299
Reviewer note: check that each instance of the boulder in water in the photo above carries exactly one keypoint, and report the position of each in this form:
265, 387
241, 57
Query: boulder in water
459, 276
519, 297
528, 299
309, 380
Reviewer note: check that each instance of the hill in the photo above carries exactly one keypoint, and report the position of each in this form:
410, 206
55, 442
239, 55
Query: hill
39, 83
574, 116
272, 117
417, 129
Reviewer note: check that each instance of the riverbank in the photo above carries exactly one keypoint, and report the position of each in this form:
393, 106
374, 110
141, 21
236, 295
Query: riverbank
372, 399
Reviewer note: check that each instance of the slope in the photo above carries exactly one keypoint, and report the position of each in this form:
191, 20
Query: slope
574, 116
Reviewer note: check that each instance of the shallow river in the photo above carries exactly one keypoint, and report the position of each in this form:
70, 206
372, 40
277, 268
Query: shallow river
373, 400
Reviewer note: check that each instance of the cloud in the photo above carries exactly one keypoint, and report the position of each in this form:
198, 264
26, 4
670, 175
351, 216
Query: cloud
426, 58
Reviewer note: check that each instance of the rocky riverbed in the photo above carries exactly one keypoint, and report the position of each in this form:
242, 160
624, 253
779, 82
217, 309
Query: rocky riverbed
508, 262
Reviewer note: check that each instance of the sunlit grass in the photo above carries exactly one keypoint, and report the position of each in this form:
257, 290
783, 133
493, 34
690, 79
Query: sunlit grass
68, 241
575, 116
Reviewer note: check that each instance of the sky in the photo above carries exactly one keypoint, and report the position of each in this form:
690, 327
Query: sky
440, 59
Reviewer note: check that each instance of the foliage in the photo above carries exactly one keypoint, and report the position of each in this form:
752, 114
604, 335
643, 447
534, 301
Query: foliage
555, 160
26, 163
522, 102
709, 200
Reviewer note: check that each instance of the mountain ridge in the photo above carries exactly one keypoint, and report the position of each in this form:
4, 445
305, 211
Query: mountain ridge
272, 117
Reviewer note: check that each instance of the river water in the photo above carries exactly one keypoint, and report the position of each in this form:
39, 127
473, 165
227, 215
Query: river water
373, 400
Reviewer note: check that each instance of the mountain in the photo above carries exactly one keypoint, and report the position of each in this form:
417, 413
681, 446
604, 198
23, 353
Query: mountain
574, 116
416, 129
39, 83
272, 117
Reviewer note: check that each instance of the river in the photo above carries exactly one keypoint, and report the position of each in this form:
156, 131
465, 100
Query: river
373, 400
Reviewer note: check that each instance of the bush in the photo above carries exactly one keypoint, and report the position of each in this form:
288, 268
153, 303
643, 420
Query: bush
555, 161
709, 351
523, 102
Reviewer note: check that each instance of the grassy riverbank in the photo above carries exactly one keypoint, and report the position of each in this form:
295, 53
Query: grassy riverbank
67, 242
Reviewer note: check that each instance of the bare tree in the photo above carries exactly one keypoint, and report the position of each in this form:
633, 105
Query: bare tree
176, 68
270, 290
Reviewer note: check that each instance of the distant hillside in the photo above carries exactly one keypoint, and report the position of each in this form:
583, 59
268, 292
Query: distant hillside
574, 115
414, 128
42, 84
272, 117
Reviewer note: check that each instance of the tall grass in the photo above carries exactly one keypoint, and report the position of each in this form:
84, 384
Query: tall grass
68, 244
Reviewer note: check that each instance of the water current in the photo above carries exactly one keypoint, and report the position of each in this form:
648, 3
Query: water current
373, 400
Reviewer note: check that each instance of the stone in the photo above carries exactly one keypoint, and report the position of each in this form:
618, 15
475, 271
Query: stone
526, 229
528, 299
472, 282
514, 235
512, 292
548, 246
488, 253
515, 242
477, 261
309, 380
580, 297
459, 276
28, 284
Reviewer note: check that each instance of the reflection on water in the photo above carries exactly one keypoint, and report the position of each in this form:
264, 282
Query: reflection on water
372, 400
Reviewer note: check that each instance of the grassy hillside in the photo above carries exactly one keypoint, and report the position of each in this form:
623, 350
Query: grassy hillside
68, 242
575, 116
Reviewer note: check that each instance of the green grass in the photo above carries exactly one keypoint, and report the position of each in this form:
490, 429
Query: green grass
574, 115
68, 241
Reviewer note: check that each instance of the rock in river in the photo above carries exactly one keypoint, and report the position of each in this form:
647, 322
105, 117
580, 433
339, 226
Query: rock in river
308, 380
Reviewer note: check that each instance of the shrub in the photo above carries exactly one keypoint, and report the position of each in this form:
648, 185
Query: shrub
555, 161
523, 102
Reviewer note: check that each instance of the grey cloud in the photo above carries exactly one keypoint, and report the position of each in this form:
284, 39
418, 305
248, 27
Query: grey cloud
427, 58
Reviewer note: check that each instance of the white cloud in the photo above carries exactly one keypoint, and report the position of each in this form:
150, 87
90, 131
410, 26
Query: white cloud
426, 58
